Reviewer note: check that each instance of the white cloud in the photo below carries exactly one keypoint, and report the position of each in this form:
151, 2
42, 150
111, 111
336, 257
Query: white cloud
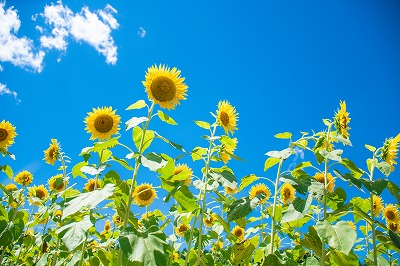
18, 51
5, 90
298, 153
141, 32
1, 68
92, 28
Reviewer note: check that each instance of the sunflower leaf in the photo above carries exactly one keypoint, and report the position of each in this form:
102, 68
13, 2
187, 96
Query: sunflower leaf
203, 124
284, 135
166, 118
7, 170
76, 170
198, 152
270, 162
134, 121
370, 148
394, 190
247, 180
153, 161
76, 232
356, 172
334, 155
384, 167
137, 105
339, 236
173, 144
137, 134
283, 154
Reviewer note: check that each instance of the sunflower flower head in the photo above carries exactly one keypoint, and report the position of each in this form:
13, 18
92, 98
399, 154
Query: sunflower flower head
390, 150
57, 183
227, 116
228, 147
58, 214
102, 123
107, 228
181, 229
238, 232
217, 246
209, 221
391, 213
37, 194
165, 86
378, 206
287, 193
52, 154
92, 184
185, 170
260, 190
330, 186
11, 187
24, 178
342, 120
394, 226
230, 191
7, 135
144, 194
175, 256
117, 219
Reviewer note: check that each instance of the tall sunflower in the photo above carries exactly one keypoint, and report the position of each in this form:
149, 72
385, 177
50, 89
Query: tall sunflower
144, 194
24, 177
57, 183
331, 181
394, 226
378, 206
390, 151
391, 213
37, 192
238, 232
260, 190
52, 153
227, 116
7, 134
228, 148
165, 86
11, 187
287, 193
342, 120
102, 123
91, 184
181, 229
209, 221
179, 168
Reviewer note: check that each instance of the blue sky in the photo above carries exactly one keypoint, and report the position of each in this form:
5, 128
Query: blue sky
285, 65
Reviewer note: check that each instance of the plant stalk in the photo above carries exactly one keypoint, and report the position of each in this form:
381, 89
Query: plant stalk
274, 207
371, 199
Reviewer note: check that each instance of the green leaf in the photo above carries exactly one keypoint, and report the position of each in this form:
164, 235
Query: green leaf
297, 209
370, 148
173, 144
166, 118
283, 154
312, 241
224, 176
87, 169
242, 207
349, 177
394, 190
185, 198
122, 162
355, 171
99, 146
243, 250
247, 180
7, 170
6, 237
284, 135
395, 238
137, 105
270, 162
88, 200
338, 258
202, 124
76, 170
148, 248
300, 183
384, 167
198, 152
76, 232
339, 236
153, 161
337, 198
312, 261
134, 121
137, 134
334, 155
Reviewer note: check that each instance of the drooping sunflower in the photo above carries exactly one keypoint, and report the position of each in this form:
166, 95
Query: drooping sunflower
209, 221
342, 120
391, 213
102, 123
144, 194
175, 256
37, 192
11, 187
58, 214
390, 151
181, 229
378, 206
94, 244
330, 186
117, 219
230, 191
179, 168
287, 193
107, 228
7, 134
165, 86
227, 116
91, 184
238, 232
24, 178
228, 149
260, 190
57, 183
394, 226
52, 153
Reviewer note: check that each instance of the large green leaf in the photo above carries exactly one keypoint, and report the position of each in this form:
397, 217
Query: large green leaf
270, 162
88, 200
297, 209
153, 161
247, 180
224, 176
166, 118
242, 251
339, 236
338, 258
395, 239
137, 134
312, 241
99, 146
173, 144
134, 121
137, 105
76, 170
337, 198
75, 232
7, 170
198, 152
394, 190
203, 124
355, 171
384, 167
334, 155
242, 207
147, 247
283, 154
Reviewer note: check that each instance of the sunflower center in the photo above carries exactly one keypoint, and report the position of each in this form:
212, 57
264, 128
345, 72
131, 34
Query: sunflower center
286, 193
238, 232
3, 134
390, 215
103, 123
182, 228
224, 117
40, 194
145, 194
163, 88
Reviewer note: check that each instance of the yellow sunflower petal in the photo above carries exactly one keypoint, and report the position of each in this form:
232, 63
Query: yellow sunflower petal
24, 178
102, 123
7, 134
342, 120
260, 190
227, 116
287, 193
144, 194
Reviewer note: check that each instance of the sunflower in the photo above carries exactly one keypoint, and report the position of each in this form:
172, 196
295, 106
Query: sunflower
165, 86
91, 184
29, 232
181, 229
258, 190
39, 192
227, 116
94, 244
238, 232
24, 178
107, 227
179, 168
175, 256
41, 221
331, 182
287, 193
230, 191
209, 221
102, 123
117, 219
342, 120
144, 194
58, 214
390, 151
57, 183
52, 153
390, 213
377, 204
228, 148
11, 187
147, 215
7, 134
352, 225
394, 226
217, 246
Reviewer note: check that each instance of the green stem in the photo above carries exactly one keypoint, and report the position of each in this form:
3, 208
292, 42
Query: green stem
274, 207
83, 251
190, 241
366, 236
371, 198
135, 172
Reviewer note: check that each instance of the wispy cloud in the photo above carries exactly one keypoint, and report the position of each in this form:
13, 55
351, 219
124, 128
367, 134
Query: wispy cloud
298, 153
93, 28
141, 32
19, 51
5, 90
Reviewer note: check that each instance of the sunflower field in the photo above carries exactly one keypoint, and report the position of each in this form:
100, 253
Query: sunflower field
208, 216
